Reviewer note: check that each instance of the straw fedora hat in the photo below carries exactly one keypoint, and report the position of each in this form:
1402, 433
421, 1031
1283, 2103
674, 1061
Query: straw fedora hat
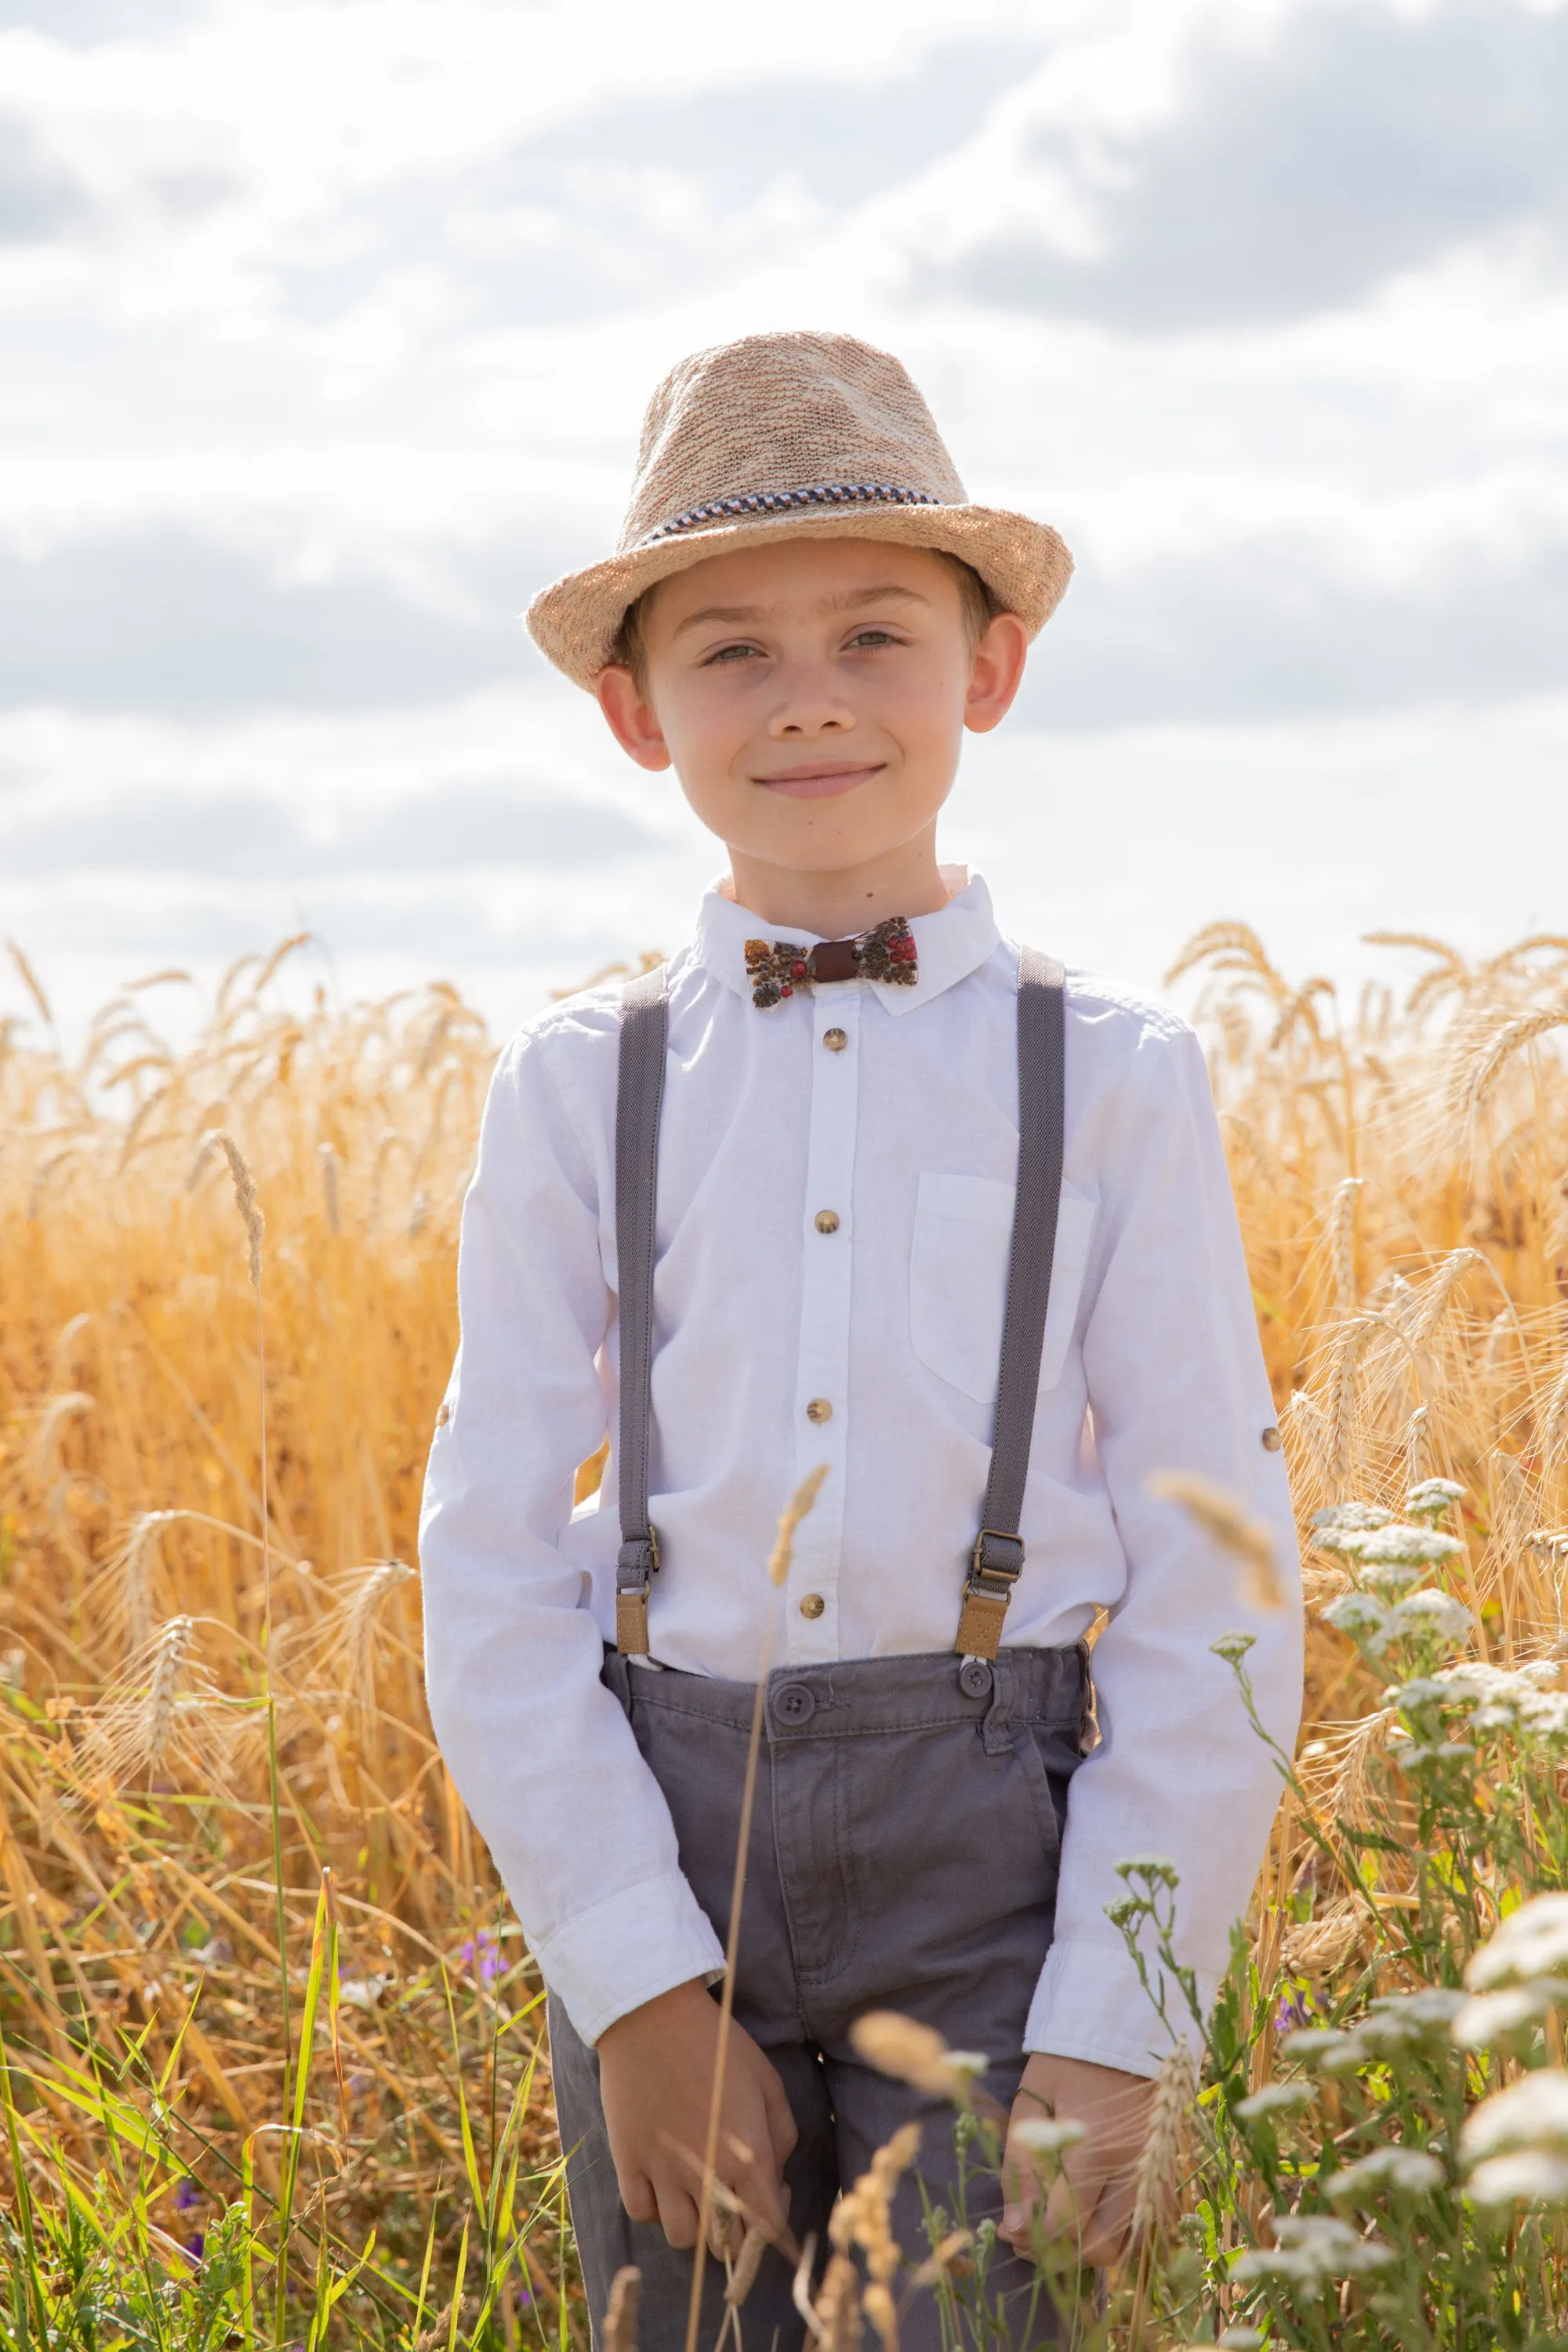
789, 436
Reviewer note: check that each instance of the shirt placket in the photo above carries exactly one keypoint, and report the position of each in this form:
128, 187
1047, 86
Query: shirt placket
822, 1382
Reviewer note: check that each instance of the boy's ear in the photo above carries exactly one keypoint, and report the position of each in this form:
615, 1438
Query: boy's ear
996, 674
630, 717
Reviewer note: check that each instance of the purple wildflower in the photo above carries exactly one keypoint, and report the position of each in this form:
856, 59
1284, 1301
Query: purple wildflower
481, 1955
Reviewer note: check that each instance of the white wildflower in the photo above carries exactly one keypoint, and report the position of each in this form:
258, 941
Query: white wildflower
1392, 1576
1310, 2044
1418, 1752
1049, 2135
1489, 2018
1531, 1942
1534, 2176
1530, 2115
1474, 1678
1423, 1690
1314, 2249
1276, 2099
1241, 2339
1362, 1616
1408, 2169
1543, 1716
1233, 1647
1436, 1615
1406, 2021
1349, 1518
1404, 1547
1352, 2054
1433, 1497
362, 1993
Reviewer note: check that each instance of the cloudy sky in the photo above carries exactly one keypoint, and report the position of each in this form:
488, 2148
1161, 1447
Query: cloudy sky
325, 327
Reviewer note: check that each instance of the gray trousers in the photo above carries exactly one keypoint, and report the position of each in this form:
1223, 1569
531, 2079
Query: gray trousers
904, 1855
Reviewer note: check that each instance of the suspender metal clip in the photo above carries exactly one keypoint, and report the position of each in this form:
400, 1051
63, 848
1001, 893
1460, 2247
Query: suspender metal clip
996, 1565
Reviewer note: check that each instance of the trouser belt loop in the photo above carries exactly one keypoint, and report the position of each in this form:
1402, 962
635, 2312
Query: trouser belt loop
999, 1728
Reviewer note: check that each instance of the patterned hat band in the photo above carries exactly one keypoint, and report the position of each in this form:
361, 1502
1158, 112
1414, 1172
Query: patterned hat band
819, 493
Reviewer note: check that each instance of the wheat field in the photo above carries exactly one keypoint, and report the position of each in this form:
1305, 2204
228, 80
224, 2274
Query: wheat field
210, 1646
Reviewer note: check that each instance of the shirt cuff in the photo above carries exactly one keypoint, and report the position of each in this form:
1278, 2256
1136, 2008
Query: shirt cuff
1091, 2003
635, 1945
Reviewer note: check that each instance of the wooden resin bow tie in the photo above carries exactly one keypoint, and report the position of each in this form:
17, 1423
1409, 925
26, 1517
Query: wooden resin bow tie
885, 954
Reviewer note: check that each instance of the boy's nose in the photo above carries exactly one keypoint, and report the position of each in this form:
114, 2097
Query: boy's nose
809, 714
808, 699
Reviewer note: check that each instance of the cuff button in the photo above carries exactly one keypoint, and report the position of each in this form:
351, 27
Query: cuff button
1272, 1441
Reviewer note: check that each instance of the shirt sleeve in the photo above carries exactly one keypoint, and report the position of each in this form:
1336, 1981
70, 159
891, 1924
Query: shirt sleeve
1176, 1382
541, 1751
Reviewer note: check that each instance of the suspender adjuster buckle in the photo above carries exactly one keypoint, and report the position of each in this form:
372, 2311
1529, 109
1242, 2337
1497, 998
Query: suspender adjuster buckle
638, 1560
997, 1556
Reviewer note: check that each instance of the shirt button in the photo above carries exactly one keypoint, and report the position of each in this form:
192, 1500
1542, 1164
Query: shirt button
819, 1409
813, 1605
1272, 1441
835, 1040
444, 1417
827, 1221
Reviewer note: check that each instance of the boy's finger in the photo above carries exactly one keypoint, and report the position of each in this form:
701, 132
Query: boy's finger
782, 2130
1021, 2189
637, 2195
678, 2214
760, 2193
1108, 2229
1069, 2208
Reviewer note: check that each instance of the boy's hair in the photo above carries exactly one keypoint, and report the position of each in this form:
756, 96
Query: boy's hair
976, 604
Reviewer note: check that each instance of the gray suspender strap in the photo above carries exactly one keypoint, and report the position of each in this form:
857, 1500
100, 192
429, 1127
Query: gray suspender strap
639, 1092
998, 1557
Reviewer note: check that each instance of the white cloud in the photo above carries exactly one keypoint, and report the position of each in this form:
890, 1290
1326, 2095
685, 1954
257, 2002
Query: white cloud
325, 328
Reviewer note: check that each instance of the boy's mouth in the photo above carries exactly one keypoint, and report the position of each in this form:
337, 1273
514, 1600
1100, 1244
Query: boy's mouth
821, 782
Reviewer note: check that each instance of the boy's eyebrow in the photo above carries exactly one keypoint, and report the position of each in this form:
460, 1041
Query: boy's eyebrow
738, 615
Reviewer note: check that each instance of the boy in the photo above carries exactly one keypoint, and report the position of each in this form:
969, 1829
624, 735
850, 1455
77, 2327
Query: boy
821, 1193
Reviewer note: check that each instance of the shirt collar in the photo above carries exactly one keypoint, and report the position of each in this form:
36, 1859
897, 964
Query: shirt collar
951, 943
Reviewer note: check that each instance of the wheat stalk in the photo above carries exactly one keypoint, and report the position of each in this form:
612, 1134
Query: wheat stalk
1157, 2180
1495, 1052
1228, 1524
1342, 1245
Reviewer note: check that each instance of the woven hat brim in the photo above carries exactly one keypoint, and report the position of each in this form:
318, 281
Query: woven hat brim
1024, 563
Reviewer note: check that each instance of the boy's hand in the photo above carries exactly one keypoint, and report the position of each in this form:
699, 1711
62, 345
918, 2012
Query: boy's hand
656, 2083
1090, 2207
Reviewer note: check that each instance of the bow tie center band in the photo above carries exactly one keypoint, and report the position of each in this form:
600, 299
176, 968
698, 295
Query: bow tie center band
885, 954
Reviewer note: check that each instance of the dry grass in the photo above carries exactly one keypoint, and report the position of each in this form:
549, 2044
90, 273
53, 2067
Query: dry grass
1402, 1169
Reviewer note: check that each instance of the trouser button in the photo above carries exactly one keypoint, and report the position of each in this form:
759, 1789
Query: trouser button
796, 1702
974, 1678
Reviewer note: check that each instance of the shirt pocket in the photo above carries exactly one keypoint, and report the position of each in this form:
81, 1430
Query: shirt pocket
958, 1279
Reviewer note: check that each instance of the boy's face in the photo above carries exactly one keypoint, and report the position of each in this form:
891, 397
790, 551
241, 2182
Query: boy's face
812, 697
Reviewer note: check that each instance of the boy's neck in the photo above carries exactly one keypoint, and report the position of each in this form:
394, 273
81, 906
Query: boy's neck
840, 903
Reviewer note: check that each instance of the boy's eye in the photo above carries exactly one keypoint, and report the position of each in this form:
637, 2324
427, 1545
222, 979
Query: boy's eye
873, 637
729, 654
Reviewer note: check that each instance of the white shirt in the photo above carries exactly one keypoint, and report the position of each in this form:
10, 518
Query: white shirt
909, 1133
